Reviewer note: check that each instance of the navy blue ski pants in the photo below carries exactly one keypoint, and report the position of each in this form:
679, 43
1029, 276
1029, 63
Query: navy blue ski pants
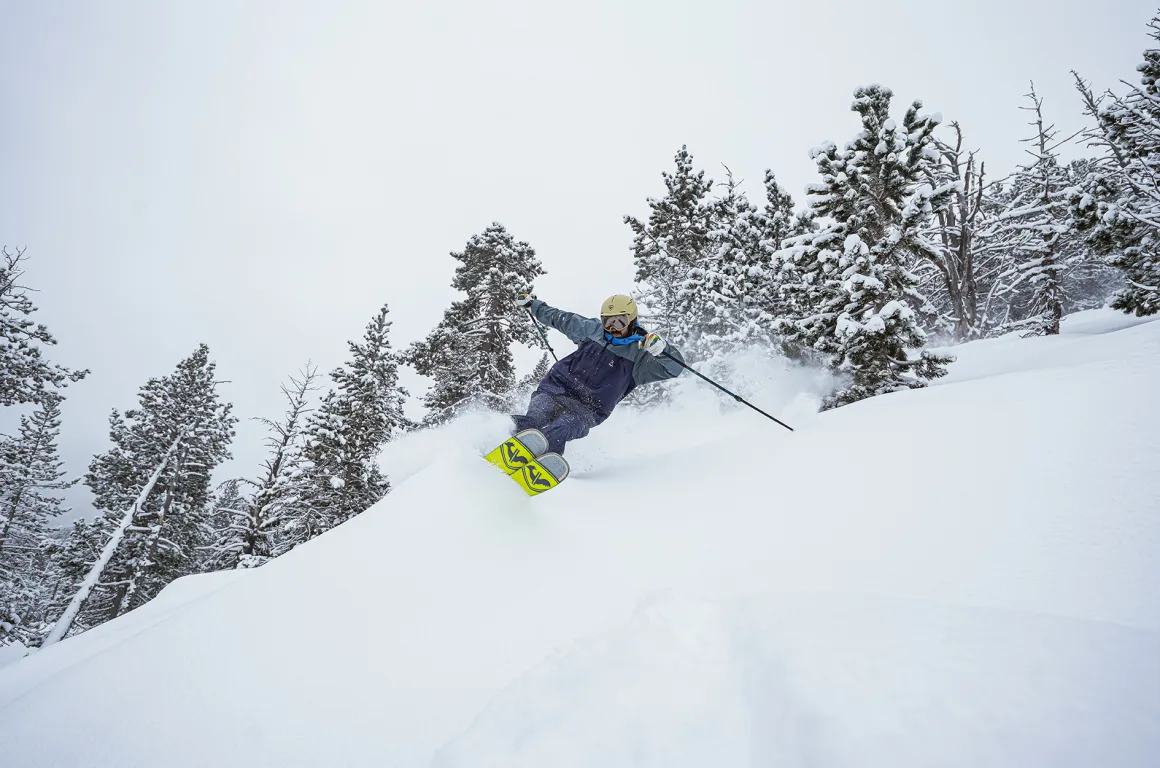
559, 417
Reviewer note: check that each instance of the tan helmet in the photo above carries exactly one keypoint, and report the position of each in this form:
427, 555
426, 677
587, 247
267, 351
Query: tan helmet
619, 305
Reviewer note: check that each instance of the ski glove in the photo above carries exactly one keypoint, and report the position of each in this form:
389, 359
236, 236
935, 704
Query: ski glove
524, 300
653, 344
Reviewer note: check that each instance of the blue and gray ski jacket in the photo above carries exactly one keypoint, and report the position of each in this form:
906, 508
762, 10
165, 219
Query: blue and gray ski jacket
604, 369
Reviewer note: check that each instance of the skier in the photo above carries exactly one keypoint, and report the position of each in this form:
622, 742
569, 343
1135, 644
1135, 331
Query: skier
615, 355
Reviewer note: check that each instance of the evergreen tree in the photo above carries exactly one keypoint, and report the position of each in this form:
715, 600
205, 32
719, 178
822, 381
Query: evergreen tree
25, 377
847, 288
468, 355
779, 221
674, 241
274, 492
776, 223
1031, 227
30, 470
727, 293
112, 539
339, 477
246, 520
28, 591
1118, 203
30, 474
70, 553
227, 527
755, 238
1090, 280
444, 356
174, 438
708, 317
80, 547
527, 385
116, 476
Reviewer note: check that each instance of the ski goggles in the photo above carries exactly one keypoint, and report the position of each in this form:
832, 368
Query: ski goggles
615, 323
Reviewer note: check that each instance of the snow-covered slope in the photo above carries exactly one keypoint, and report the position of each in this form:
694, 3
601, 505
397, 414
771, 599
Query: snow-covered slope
963, 575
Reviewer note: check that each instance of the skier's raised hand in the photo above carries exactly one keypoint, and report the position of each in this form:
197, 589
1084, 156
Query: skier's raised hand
653, 344
524, 300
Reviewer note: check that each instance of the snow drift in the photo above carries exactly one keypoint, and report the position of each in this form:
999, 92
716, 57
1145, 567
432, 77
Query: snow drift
962, 575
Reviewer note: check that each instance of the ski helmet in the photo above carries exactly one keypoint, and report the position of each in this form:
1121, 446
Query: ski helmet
618, 314
619, 305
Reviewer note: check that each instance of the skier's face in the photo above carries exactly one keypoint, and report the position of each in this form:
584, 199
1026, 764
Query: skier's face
617, 325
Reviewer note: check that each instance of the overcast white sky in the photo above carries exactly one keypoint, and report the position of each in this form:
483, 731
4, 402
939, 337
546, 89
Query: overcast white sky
262, 176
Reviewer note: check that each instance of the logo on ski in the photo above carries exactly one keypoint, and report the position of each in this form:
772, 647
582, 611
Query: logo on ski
525, 458
513, 456
535, 479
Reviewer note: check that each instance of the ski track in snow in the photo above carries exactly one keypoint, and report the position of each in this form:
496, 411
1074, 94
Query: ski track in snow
708, 589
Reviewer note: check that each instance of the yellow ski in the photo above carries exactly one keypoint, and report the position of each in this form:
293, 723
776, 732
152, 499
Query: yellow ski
523, 458
514, 453
542, 474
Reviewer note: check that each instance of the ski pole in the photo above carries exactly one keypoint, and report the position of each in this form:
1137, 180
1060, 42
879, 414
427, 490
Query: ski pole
543, 335
738, 398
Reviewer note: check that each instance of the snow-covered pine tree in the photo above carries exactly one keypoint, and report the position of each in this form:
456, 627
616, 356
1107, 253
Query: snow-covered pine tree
523, 390
1090, 280
1031, 227
81, 545
778, 219
338, 476
75, 552
25, 377
1118, 204
468, 355
274, 491
730, 297
708, 317
847, 288
27, 596
539, 372
91, 579
30, 471
248, 514
31, 474
175, 437
759, 278
226, 527
674, 241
